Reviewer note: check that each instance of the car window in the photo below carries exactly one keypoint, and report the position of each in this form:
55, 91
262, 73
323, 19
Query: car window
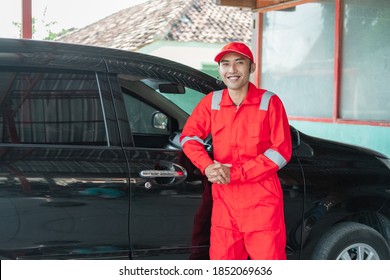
140, 116
51, 108
154, 110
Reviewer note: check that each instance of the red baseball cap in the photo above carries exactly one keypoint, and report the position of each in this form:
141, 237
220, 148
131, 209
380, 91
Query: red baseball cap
236, 47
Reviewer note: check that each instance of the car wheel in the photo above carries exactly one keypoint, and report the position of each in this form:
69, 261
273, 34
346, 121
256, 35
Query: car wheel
351, 241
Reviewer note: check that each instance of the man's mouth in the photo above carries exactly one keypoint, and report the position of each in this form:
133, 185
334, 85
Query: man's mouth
233, 78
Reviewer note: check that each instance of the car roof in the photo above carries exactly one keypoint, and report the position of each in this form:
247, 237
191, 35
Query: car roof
57, 55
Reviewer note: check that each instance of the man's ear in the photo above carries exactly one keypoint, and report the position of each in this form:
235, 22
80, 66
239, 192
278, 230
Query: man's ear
253, 67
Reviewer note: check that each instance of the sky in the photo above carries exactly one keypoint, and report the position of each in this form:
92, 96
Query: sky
64, 14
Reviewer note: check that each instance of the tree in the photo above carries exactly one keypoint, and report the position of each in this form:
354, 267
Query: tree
48, 26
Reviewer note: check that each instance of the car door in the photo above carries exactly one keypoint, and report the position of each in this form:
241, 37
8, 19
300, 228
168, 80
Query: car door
64, 179
170, 205
164, 205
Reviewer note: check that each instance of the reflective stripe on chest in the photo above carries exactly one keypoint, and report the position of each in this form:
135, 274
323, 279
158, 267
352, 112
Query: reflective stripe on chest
264, 102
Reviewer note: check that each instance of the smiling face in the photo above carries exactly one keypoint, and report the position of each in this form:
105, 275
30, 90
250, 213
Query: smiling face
235, 70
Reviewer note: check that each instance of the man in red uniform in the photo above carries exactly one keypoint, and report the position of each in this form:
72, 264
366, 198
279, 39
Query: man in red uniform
251, 142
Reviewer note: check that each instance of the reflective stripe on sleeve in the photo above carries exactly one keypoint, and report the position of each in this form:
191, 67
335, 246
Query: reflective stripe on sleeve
216, 99
189, 138
276, 157
265, 100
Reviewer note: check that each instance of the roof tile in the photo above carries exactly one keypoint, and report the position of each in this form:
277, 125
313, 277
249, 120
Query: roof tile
173, 20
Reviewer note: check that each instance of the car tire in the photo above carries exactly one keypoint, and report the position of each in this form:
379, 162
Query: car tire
384, 227
351, 241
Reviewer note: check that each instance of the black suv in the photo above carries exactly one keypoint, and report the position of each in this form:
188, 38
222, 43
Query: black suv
91, 165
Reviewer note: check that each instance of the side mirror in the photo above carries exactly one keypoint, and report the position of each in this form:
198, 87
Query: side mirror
295, 138
301, 148
160, 121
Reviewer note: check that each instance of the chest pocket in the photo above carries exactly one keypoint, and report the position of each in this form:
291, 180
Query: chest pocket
254, 130
217, 128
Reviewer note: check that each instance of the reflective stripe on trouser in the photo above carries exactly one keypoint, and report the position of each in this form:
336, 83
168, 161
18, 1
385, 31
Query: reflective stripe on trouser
226, 244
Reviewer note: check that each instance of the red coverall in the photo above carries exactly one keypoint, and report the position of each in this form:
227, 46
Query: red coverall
247, 216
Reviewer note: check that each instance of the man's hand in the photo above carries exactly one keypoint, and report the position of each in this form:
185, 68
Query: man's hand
218, 173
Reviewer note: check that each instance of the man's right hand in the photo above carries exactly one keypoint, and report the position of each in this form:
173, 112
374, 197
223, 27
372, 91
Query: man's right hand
218, 173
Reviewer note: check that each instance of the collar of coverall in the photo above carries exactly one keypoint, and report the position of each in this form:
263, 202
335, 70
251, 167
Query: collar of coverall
250, 98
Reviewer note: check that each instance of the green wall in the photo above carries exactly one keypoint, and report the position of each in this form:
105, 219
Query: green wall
211, 69
373, 137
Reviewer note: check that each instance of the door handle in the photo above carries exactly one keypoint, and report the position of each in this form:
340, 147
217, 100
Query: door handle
161, 174
171, 174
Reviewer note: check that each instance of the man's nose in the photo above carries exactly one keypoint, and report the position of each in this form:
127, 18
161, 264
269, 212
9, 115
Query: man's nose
232, 68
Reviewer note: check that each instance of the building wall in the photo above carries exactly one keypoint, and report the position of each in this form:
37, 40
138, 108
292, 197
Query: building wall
373, 137
329, 61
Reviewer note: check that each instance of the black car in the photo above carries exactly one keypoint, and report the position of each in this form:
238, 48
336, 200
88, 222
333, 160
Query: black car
91, 165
